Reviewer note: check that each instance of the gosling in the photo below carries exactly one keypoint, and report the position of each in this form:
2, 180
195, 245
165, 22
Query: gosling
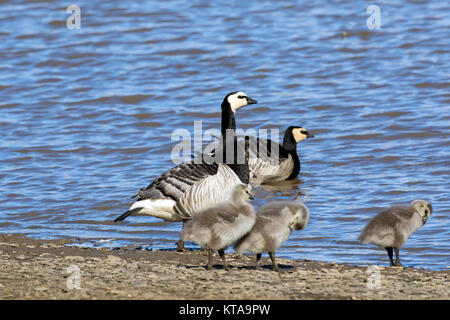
274, 224
220, 226
392, 227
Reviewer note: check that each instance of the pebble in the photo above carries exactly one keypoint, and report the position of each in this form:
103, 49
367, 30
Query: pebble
41, 288
114, 260
8, 244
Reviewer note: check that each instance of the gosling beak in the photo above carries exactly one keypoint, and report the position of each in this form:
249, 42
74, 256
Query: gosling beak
298, 226
424, 220
251, 101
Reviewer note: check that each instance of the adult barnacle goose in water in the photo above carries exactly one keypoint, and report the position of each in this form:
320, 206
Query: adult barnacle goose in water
190, 187
268, 166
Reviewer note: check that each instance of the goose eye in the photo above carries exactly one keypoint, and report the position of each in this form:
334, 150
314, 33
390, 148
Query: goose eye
304, 132
241, 97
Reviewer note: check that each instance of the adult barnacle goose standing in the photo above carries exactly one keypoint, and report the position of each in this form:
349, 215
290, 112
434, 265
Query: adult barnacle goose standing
188, 188
392, 227
269, 166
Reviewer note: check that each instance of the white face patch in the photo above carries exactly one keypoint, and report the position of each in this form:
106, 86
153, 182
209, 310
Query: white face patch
236, 102
298, 135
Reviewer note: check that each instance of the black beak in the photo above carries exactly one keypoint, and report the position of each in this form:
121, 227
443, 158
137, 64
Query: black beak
251, 101
251, 197
309, 135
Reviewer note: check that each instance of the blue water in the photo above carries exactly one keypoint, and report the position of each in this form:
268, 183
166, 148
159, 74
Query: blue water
87, 115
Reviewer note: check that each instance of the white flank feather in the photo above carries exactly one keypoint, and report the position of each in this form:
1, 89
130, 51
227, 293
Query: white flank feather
159, 208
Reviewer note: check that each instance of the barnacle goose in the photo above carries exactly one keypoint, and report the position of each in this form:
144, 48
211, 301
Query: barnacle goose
190, 187
267, 165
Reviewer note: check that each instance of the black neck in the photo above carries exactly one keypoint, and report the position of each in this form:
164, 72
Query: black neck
229, 125
291, 146
228, 119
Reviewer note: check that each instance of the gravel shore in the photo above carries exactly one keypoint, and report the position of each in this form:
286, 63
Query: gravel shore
54, 269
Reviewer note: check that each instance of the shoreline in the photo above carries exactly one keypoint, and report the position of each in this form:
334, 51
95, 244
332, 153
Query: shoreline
54, 269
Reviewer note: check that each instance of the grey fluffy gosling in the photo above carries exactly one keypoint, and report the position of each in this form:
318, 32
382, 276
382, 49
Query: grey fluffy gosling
392, 227
220, 226
274, 224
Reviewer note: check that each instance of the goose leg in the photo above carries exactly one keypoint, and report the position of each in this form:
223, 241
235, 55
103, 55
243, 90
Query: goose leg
210, 259
180, 243
258, 261
222, 256
397, 257
389, 251
272, 257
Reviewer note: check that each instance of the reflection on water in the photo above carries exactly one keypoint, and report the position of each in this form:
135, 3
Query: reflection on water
289, 189
87, 115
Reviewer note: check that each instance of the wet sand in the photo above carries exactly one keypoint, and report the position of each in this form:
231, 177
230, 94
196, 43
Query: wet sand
38, 269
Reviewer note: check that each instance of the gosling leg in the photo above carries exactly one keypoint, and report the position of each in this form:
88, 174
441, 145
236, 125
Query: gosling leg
222, 256
397, 257
389, 251
258, 261
210, 259
275, 266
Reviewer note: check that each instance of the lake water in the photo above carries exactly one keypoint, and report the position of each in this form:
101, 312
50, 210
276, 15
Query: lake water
87, 114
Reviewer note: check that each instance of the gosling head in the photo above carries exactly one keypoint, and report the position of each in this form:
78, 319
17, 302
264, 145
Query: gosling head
423, 208
237, 100
299, 218
299, 133
242, 193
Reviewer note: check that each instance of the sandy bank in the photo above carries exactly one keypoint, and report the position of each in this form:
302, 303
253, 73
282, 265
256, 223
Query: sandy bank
41, 269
